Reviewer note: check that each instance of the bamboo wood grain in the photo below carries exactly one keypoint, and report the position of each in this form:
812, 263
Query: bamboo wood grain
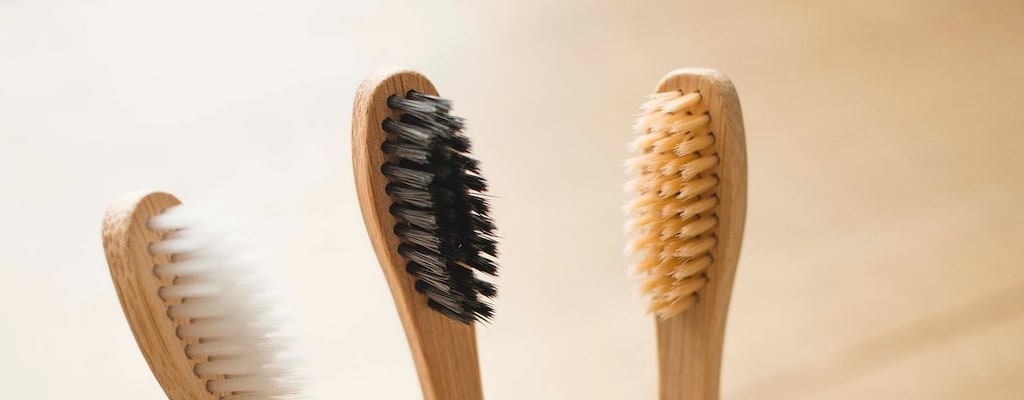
126, 240
690, 344
444, 350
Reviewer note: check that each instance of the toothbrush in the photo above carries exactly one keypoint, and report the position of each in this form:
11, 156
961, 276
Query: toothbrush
203, 314
421, 196
686, 223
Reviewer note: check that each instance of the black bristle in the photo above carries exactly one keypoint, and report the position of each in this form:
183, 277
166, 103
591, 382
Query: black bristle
479, 204
441, 106
485, 288
418, 237
408, 195
411, 134
439, 292
424, 121
483, 264
421, 256
486, 244
460, 143
475, 183
472, 166
456, 315
419, 103
407, 176
437, 190
406, 152
482, 223
415, 217
483, 312
436, 278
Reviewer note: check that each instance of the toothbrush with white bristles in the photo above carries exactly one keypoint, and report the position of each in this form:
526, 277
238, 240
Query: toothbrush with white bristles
202, 305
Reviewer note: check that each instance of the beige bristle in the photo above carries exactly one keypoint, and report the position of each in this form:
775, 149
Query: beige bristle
672, 212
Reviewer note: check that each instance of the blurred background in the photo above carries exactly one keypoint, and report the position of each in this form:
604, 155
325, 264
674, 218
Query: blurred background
885, 228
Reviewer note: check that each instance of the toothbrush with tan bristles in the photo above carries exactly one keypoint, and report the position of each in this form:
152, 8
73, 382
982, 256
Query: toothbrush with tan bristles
686, 219
421, 196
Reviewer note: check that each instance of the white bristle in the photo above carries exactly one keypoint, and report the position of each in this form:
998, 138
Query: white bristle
183, 267
234, 319
189, 290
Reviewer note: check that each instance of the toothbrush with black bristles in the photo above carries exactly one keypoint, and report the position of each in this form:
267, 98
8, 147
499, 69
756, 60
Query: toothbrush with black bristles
422, 199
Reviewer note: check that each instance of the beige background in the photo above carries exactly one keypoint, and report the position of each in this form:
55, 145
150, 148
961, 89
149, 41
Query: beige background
883, 249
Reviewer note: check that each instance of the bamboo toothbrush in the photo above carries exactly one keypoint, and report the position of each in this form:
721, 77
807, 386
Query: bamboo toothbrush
421, 197
686, 222
202, 312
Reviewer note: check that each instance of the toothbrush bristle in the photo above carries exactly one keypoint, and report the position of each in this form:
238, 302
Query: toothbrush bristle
672, 211
438, 201
225, 306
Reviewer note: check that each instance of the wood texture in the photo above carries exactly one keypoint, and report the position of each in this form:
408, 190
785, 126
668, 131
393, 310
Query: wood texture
126, 240
690, 344
443, 349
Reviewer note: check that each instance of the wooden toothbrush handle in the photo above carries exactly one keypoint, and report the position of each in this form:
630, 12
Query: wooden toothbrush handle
689, 358
443, 349
690, 344
126, 240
